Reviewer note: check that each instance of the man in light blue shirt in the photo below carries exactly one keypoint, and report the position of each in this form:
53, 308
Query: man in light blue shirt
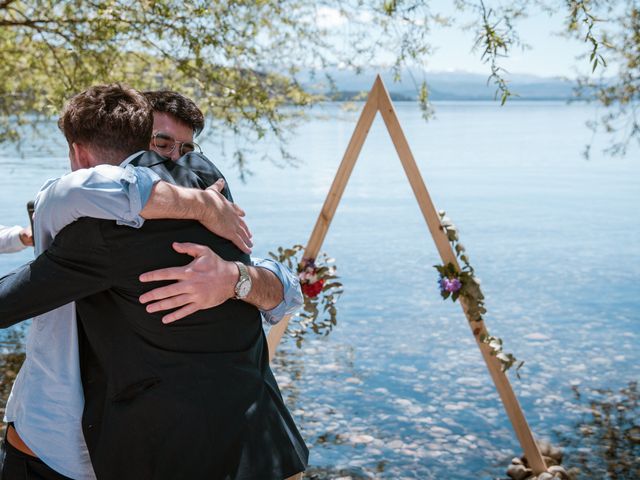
46, 402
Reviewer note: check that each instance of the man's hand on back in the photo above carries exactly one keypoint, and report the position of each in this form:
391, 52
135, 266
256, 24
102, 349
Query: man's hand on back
206, 282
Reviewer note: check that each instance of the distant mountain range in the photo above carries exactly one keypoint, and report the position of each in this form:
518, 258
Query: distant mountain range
442, 85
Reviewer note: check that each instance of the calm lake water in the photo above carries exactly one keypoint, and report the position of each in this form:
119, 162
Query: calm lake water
399, 389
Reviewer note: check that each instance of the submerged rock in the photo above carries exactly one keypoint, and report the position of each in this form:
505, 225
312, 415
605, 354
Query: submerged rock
518, 472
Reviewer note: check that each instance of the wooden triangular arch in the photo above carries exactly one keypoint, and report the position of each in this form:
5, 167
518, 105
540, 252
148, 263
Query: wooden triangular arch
380, 101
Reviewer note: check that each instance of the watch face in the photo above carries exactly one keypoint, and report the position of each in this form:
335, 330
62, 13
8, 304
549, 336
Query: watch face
243, 289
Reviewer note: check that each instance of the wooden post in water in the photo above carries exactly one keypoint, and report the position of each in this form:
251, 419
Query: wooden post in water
379, 100
333, 199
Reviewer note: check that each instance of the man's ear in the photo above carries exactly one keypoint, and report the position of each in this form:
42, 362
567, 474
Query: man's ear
82, 157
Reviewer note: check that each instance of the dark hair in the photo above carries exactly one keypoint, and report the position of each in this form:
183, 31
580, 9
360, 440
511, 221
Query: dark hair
114, 119
179, 106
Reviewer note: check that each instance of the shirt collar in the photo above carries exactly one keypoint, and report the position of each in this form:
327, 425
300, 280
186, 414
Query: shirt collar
128, 160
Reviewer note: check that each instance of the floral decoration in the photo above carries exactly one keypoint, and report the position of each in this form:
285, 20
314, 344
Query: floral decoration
454, 283
320, 289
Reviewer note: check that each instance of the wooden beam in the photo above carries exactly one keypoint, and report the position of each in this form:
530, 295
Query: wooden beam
379, 100
413, 174
275, 336
500, 379
333, 197
344, 172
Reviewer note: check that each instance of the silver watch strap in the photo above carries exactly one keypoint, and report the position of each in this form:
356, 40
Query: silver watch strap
244, 277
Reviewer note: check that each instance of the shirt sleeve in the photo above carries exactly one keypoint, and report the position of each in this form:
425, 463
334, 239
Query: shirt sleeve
10, 239
291, 286
107, 192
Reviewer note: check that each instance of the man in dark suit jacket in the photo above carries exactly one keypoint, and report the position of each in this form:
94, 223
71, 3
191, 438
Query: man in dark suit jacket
193, 399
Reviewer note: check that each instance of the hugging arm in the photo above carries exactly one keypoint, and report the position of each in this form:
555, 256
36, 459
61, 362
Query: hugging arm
105, 191
209, 281
132, 194
75, 266
209, 207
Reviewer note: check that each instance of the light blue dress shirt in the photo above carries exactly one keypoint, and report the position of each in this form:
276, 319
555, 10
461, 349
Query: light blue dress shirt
46, 401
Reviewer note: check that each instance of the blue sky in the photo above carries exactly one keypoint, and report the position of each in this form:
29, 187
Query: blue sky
549, 54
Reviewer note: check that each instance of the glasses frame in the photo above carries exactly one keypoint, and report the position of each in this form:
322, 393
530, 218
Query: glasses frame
168, 138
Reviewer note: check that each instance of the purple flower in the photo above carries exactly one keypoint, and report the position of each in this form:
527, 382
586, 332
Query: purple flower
450, 285
308, 263
454, 285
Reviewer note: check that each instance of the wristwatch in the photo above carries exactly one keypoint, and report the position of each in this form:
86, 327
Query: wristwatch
243, 287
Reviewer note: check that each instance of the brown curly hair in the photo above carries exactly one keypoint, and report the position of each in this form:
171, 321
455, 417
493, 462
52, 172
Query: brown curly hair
114, 119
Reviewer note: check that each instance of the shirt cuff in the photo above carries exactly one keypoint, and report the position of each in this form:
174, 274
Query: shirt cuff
138, 183
292, 298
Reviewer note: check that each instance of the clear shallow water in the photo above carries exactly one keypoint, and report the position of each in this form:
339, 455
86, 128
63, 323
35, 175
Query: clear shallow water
399, 389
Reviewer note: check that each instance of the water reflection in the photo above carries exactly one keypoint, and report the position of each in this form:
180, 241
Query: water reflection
336, 420
399, 389
357, 430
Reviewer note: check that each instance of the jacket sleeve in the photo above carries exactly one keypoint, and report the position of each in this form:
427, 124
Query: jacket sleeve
76, 265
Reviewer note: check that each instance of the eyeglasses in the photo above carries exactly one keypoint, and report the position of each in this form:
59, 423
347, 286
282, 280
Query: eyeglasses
166, 144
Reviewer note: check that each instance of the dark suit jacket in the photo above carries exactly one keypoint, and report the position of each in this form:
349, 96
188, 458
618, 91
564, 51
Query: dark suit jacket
195, 399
